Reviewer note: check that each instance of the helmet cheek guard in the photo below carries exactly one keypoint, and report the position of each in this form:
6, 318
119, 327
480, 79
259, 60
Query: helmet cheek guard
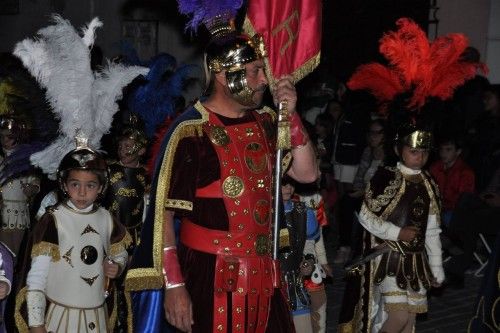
238, 86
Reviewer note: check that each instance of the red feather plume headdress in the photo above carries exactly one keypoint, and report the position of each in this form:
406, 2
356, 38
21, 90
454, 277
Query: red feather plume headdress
416, 66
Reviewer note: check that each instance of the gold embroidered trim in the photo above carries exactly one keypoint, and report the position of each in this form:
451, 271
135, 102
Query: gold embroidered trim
405, 307
435, 208
152, 278
285, 162
116, 177
178, 204
269, 111
121, 245
21, 325
390, 207
130, 319
142, 179
403, 293
376, 204
46, 249
127, 192
394, 293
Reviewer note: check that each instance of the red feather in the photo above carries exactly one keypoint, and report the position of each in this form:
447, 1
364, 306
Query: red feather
381, 81
430, 69
407, 49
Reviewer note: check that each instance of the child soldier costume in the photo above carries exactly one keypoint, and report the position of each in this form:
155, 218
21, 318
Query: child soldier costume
391, 281
64, 287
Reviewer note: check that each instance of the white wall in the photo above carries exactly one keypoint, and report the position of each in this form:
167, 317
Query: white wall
479, 20
493, 43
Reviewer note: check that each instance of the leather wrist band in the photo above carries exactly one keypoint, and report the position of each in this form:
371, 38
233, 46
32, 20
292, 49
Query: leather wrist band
298, 134
171, 268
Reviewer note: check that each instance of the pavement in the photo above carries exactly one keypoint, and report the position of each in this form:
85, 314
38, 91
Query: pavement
450, 310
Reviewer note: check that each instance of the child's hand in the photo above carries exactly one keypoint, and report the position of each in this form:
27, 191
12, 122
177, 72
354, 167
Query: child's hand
4, 288
408, 233
328, 270
111, 269
38, 330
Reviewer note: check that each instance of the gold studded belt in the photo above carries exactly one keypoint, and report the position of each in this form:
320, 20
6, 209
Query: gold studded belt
240, 244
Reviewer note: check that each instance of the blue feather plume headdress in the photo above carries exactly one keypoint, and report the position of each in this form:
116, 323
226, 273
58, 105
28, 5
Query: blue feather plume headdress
154, 101
206, 11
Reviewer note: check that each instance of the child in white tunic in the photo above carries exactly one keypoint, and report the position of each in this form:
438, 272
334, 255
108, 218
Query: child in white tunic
77, 248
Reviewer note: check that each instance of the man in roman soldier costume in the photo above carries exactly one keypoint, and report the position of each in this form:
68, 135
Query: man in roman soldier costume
401, 209
214, 176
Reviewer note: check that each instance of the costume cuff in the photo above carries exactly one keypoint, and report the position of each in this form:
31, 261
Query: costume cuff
393, 232
298, 134
36, 303
438, 273
3, 278
171, 268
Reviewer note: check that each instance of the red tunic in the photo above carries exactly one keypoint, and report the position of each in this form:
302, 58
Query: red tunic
196, 165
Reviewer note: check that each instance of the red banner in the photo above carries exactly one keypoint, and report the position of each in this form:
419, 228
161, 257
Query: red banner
292, 34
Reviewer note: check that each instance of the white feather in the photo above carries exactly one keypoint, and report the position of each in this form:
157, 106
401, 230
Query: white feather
89, 31
107, 89
83, 101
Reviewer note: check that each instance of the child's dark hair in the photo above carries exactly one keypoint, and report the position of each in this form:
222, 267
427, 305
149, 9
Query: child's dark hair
452, 140
101, 175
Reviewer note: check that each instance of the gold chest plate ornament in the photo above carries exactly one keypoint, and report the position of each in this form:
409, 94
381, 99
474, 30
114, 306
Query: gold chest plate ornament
255, 157
262, 245
233, 186
218, 136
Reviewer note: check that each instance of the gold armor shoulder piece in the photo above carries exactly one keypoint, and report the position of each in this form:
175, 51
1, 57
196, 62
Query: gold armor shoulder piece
46, 249
122, 245
375, 204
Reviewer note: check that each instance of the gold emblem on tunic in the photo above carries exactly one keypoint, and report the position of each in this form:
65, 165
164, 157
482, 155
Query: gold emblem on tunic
218, 136
233, 186
262, 245
255, 158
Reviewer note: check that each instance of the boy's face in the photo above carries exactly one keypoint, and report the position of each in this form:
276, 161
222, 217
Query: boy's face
83, 187
127, 151
287, 191
7, 140
449, 153
414, 158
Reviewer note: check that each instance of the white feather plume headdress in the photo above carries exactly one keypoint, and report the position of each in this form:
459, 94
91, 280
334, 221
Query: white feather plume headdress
84, 101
